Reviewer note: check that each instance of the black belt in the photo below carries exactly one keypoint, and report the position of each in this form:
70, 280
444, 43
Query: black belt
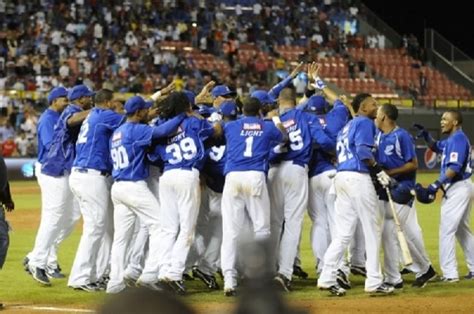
85, 170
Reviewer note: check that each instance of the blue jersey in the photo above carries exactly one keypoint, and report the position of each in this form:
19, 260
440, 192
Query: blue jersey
92, 146
394, 150
214, 168
61, 153
129, 145
46, 124
185, 149
354, 145
332, 122
303, 129
251, 139
456, 154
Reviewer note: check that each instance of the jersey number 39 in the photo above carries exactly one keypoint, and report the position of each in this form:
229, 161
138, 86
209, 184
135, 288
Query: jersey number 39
186, 149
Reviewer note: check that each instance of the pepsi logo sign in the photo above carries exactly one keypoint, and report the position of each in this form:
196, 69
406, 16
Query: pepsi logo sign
430, 158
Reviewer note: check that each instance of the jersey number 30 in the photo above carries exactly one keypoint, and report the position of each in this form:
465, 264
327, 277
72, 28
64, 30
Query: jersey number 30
186, 149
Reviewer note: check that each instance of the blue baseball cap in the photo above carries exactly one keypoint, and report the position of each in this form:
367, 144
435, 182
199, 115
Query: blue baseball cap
222, 90
263, 97
191, 96
79, 91
135, 103
205, 111
56, 92
316, 103
228, 108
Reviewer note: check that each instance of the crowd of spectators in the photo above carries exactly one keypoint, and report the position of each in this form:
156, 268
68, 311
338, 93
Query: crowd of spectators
118, 44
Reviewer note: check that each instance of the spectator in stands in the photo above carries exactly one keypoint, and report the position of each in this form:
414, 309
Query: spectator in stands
9, 148
423, 81
6, 130
362, 67
351, 68
22, 144
413, 91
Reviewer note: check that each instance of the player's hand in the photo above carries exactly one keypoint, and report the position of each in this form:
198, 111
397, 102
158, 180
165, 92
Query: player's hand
204, 96
313, 70
168, 89
383, 178
272, 113
210, 85
422, 132
297, 69
434, 187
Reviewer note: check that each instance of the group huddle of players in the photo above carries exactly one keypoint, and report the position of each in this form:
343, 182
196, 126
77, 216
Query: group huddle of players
173, 185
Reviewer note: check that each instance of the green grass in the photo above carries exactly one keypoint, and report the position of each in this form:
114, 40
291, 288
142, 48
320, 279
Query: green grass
19, 288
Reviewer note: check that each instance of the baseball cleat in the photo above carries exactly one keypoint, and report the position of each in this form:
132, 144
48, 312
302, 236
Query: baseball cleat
90, 287
130, 281
383, 289
342, 280
209, 280
26, 260
283, 283
358, 270
299, 272
54, 273
335, 290
449, 280
230, 292
405, 271
421, 281
469, 276
149, 285
397, 286
187, 277
175, 286
39, 275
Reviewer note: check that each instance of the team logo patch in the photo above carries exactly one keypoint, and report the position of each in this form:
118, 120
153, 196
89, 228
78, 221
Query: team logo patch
288, 123
453, 157
252, 126
388, 150
430, 158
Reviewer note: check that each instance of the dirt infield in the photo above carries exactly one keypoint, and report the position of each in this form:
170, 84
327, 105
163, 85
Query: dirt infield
390, 304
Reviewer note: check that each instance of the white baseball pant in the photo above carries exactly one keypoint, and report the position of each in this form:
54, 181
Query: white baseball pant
321, 212
455, 222
356, 199
180, 198
245, 193
92, 191
288, 188
59, 213
138, 251
131, 200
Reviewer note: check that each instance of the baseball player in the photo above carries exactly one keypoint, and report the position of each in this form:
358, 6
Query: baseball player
321, 173
221, 93
454, 181
209, 225
183, 155
249, 140
90, 181
288, 193
59, 209
357, 199
57, 100
396, 154
130, 193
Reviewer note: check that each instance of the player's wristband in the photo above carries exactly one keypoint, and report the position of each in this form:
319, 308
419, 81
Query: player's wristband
276, 120
156, 95
319, 83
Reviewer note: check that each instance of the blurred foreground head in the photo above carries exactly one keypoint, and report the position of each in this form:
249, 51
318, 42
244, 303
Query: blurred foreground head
144, 301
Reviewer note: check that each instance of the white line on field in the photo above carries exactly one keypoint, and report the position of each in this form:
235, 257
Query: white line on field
50, 308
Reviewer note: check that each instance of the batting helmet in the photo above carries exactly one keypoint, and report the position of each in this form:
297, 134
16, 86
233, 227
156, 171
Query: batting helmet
401, 194
423, 195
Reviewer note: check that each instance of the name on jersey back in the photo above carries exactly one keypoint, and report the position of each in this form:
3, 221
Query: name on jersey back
251, 129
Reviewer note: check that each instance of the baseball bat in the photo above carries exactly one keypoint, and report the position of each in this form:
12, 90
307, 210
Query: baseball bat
407, 259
